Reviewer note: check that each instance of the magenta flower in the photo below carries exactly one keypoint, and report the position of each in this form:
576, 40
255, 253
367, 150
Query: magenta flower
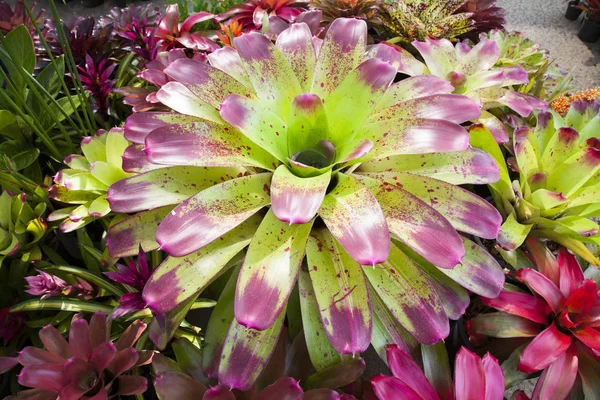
562, 314
135, 275
251, 14
136, 26
474, 379
88, 366
173, 35
45, 285
145, 99
96, 78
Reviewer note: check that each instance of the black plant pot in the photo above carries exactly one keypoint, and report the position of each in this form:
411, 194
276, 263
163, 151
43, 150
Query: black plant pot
573, 12
589, 31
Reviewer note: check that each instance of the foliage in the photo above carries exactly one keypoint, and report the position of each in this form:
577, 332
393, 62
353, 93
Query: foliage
560, 312
314, 187
415, 19
558, 163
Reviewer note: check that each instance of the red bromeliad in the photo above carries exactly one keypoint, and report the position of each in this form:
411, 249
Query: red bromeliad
251, 14
562, 314
174, 35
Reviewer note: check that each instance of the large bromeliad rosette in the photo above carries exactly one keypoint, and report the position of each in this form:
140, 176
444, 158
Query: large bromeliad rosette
310, 155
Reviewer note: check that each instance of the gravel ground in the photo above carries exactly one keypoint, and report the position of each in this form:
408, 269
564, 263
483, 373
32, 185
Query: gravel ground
543, 21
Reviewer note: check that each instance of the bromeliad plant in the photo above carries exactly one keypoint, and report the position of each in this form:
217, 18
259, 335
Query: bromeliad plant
561, 312
472, 71
88, 366
21, 227
474, 378
408, 20
555, 195
85, 183
342, 159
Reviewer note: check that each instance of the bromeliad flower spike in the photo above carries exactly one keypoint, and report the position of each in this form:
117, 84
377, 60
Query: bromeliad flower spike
342, 158
561, 314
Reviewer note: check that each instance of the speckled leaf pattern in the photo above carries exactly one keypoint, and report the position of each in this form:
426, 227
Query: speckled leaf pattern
204, 144
414, 136
139, 125
166, 186
296, 200
272, 77
349, 104
178, 278
455, 298
457, 205
218, 325
125, 237
246, 352
387, 330
469, 166
410, 297
343, 50
211, 213
208, 83
269, 271
296, 45
178, 97
414, 87
478, 271
341, 292
321, 352
355, 219
260, 125
416, 224
308, 122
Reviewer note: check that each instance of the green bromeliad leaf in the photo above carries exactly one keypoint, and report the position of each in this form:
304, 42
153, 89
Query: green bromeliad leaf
341, 292
410, 297
178, 278
218, 325
321, 352
246, 352
269, 271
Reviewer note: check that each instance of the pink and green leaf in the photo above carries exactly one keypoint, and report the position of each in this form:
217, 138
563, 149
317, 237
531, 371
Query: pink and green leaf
176, 279
272, 77
415, 223
211, 213
125, 237
269, 271
204, 144
165, 186
297, 46
341, 292
246, 352
294, 199
321, 352
469, 166
410, 297
343, 50
356, 220
350, 103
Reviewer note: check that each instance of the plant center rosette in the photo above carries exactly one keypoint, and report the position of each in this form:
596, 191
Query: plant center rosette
352, 169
